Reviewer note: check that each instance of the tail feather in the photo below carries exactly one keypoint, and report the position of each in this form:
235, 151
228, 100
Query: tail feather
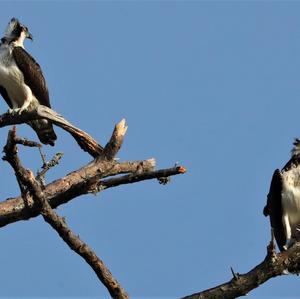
44, 130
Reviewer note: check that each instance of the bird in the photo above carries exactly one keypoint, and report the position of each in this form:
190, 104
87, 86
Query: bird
283, 201
22, 83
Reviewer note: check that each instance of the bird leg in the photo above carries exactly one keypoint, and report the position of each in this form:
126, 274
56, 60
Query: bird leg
22, 108
28, 98
287, 229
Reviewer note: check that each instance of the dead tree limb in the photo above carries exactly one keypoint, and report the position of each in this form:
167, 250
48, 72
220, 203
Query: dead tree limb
28, 180
83, 181
134, 178
241, 284
99, 174
88, 179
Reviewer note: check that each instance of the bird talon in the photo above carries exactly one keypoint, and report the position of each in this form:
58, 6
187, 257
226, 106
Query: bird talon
13, 111
21, 110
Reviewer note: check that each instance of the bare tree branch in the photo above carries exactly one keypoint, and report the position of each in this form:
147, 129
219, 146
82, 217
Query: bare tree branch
77, 183
241, 284
103, 173
87, 179
96, 176
80, 182
26, 142
137, 177
74, 242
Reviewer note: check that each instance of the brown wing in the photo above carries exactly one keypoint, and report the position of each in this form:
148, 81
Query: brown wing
274, 209
33, 75
5, 96
34, 78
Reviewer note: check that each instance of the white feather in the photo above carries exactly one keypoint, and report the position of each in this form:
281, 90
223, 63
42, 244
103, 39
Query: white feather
12, 79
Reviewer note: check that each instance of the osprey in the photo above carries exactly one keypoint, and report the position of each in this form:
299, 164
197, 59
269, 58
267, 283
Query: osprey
283, 202
22, 84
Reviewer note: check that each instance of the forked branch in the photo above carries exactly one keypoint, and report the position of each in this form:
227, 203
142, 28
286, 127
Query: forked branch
100, 174
88, 179
28, 180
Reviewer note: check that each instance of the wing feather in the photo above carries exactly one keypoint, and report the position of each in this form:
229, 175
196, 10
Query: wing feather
274, 209
5, 96
33, 75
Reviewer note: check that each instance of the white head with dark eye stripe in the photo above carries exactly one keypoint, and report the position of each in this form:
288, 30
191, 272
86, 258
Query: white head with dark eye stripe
16, 32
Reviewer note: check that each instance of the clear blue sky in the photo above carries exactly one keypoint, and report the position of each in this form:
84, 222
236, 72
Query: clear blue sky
214, 86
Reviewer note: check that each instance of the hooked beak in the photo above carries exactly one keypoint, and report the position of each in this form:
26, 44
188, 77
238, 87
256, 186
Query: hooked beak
29, 36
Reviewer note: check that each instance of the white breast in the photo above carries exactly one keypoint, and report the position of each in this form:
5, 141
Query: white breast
291, 197
11, 78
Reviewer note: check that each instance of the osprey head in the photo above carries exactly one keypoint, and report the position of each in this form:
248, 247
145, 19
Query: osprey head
16, 32
296, 149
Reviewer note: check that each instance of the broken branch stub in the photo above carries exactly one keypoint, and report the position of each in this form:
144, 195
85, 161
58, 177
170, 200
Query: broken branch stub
116, 140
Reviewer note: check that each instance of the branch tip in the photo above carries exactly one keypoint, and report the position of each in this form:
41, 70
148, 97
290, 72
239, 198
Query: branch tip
182, 169
121, 127
115, 142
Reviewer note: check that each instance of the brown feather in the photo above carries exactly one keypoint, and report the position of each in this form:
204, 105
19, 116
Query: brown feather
34, 78
274, 209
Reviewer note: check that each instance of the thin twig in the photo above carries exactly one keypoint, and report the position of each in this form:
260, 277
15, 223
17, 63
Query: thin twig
234, 274
46, 166
26, 142
43, 156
